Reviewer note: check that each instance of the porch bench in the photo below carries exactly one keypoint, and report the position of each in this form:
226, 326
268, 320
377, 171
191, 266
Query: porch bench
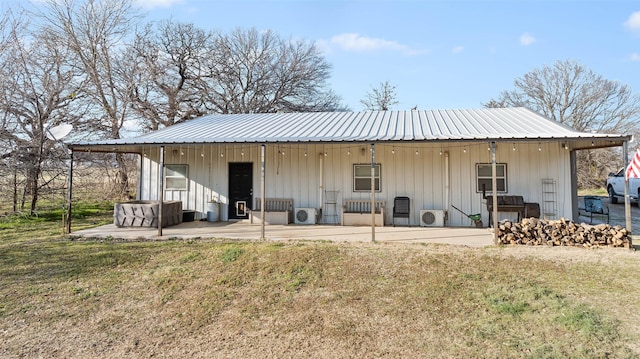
513, 204
357, 212
276, 211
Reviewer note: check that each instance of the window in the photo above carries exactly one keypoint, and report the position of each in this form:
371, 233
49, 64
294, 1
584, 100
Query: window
483, 177
175, 177
362, 177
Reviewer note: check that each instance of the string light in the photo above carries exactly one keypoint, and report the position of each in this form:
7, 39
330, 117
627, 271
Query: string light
325, 153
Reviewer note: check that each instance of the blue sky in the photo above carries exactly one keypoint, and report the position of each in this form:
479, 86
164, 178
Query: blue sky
438, 54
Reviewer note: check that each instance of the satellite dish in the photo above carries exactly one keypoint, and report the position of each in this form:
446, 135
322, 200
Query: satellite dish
59, 132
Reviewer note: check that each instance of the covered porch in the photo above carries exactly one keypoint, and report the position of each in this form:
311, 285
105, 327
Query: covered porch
320, 162
464, 236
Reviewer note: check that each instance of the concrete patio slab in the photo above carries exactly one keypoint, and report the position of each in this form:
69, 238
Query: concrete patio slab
465, 236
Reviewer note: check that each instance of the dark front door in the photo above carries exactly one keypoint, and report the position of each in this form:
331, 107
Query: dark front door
240, 189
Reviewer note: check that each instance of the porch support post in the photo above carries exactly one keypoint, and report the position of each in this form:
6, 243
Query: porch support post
494, 188
321, 180
161, 190
69, 192
262, 190
627, 204
573, 164
140, 176
373, 193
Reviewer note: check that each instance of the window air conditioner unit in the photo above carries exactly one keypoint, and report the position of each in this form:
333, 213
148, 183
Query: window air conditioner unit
305, 215
432, 218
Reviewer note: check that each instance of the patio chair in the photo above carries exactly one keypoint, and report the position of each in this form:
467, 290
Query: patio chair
593, 206
401, 209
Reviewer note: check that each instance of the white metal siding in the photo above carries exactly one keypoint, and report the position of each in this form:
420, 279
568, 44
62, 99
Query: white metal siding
420, 177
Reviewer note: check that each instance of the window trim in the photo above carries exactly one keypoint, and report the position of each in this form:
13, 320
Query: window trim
378, 177
505, 178
184, 177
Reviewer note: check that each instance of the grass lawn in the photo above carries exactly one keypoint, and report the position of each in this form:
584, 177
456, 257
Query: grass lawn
251, 299
602, 191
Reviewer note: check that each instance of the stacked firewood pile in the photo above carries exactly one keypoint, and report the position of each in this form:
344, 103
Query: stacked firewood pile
562, 232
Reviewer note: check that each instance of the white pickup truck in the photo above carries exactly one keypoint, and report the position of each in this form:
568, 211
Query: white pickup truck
615, 187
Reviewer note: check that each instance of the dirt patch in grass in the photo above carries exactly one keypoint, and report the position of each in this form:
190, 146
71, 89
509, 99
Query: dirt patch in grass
214, 298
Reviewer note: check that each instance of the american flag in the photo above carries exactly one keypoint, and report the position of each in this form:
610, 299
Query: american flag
633, 170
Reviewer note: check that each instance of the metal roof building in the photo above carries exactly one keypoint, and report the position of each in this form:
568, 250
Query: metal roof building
437, 158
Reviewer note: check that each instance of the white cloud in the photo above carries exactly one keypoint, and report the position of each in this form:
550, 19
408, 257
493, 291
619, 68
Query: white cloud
356, 42
151, 4
457, 49
324, 46
634, 57
633, 22
526, 39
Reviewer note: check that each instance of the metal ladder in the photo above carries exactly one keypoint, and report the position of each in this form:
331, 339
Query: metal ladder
549, 199
330, 208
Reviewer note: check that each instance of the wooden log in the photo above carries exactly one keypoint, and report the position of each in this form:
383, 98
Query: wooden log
562, 232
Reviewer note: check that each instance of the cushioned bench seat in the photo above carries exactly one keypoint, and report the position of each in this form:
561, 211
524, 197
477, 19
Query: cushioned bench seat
276, 211
357, 212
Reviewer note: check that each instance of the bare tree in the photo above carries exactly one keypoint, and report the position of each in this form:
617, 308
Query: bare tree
381, 98
36, 93
571, 94
95, 31
250, 71
170, 73
9, 25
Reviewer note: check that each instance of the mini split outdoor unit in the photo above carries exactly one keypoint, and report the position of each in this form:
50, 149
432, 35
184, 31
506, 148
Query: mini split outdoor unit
432, 218
305, 216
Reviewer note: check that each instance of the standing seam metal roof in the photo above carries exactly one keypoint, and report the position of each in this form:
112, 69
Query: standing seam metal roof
414, 125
